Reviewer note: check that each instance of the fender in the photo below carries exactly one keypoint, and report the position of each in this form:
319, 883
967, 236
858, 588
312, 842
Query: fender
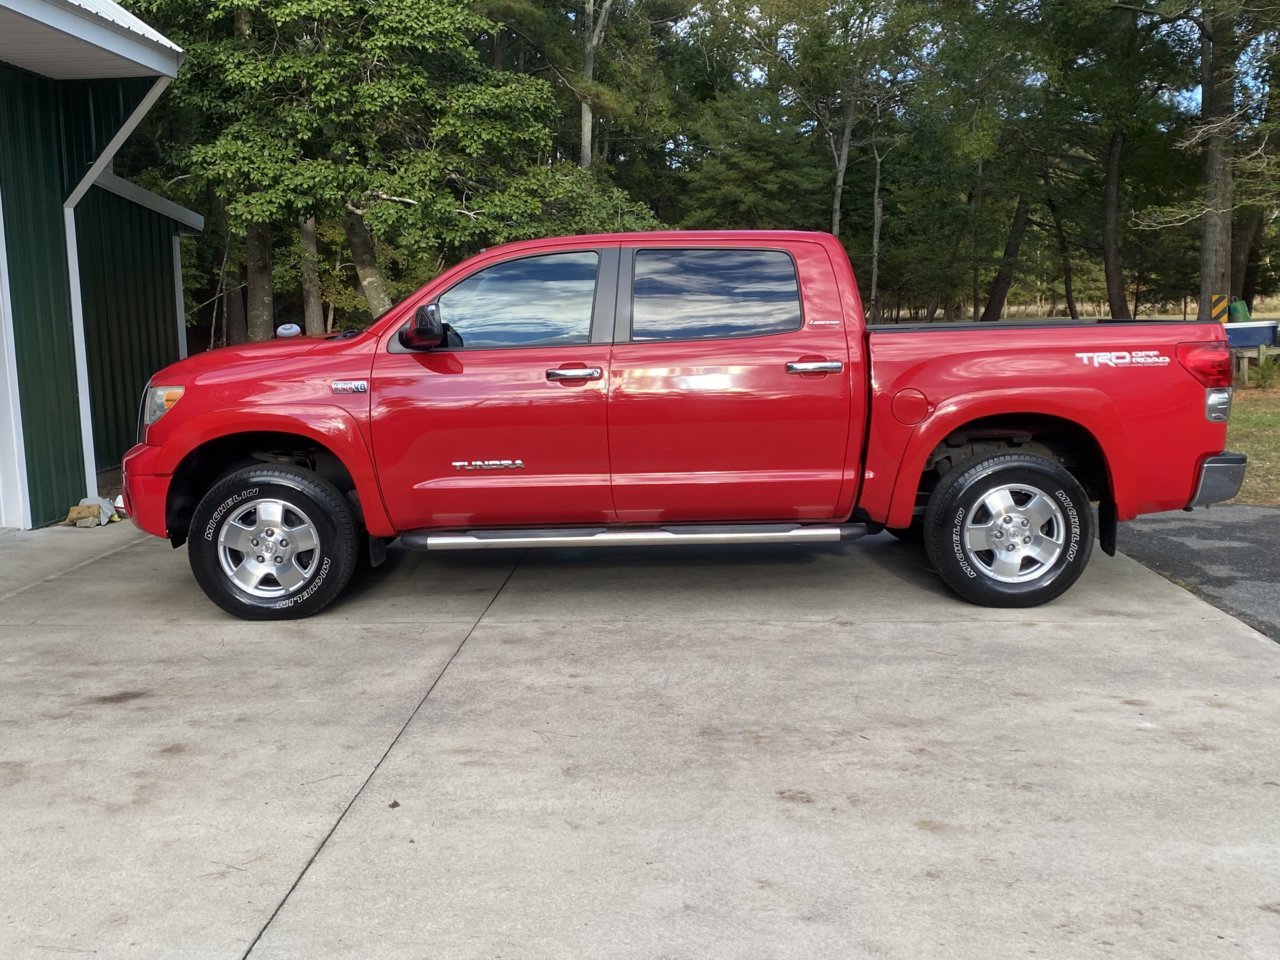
1089, 409
330, 426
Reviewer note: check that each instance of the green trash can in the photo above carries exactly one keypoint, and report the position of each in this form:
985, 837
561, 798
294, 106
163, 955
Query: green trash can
1238, 312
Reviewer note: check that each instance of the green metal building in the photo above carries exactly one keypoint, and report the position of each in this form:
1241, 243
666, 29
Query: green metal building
90, 267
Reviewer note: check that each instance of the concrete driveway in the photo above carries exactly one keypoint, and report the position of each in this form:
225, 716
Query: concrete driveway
714, 753
1229, 555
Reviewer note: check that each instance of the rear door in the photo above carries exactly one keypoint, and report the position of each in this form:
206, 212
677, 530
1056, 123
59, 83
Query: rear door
730, 390
504, 424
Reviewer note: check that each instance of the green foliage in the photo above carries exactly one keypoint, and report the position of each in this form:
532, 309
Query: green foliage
1264, 371
451, 125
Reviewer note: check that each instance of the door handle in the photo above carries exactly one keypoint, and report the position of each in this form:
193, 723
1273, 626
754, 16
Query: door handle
814, 366
575, 373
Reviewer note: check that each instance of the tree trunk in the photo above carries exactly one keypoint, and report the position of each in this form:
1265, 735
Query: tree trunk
584, 157
1064, 251
977, 223
1217, 105
1116, 297
260, 307
237, 329
364, 255
498, 60
842, 164
1243, 238
312, 304
1250, 287
877, 217
593, 34
1004, 276
936, 302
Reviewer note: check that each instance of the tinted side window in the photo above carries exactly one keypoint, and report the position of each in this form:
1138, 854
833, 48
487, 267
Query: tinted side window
536, 301
700, 294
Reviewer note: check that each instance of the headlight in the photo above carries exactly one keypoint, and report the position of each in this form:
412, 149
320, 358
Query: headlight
157, 403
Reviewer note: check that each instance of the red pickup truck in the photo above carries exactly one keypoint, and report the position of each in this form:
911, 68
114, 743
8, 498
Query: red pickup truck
674, 388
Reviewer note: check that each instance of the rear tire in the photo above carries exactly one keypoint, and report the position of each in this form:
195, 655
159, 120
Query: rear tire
273, 543
1010, 530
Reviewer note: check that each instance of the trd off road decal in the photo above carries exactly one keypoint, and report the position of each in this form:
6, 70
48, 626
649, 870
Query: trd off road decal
1124, 358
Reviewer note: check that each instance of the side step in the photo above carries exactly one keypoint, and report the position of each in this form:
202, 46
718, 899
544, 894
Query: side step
633, 536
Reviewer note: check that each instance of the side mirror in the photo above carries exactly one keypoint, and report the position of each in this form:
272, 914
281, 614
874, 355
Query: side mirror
425, 331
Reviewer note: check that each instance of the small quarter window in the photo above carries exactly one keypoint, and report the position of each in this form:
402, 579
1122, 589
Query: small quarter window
706, 294
531, 302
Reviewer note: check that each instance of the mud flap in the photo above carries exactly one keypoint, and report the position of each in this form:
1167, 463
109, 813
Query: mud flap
1108, 526
377, 551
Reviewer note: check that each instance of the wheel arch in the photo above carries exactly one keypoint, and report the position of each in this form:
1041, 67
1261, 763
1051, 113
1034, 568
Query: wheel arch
344, 463
1085, 445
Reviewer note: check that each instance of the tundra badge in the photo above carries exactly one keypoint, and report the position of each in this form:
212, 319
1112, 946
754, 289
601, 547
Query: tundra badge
488, 464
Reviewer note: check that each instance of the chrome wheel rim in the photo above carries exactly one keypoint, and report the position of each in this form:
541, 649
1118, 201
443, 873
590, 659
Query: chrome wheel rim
1015, 533
268, 548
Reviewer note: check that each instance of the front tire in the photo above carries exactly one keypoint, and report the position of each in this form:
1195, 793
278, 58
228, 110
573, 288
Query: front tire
273, 543
1011, 530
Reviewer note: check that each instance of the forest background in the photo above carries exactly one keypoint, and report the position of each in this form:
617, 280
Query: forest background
977, 158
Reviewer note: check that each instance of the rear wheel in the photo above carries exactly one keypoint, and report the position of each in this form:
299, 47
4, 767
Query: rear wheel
1010, 530
273, 543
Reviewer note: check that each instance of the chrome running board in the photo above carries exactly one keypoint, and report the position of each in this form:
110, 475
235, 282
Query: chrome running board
633, 536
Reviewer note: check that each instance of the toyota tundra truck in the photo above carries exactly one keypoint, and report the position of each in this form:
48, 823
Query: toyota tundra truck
674, 388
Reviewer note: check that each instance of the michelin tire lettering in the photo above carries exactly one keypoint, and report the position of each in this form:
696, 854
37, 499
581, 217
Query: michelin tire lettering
312, 588
1074, 519
957, 544
224, 507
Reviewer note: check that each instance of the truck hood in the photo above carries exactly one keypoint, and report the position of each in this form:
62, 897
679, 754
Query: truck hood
193, 366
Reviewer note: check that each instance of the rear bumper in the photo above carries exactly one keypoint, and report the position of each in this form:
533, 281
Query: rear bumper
1220, 479
145, 493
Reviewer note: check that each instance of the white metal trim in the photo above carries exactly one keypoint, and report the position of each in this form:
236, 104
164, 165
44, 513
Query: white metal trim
100, 165
181, 299
15, 500
82, 354
103, 162
83, 25
145, 198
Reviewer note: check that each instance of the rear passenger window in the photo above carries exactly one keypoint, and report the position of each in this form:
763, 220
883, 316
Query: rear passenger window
706, 294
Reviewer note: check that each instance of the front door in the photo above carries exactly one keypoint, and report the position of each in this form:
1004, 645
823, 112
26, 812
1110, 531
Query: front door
504, 423
728, 401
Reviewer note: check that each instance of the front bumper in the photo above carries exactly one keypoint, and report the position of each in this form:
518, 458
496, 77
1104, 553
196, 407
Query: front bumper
1220, 479
145, 493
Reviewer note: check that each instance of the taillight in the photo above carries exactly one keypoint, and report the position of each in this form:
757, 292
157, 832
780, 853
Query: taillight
1208, 361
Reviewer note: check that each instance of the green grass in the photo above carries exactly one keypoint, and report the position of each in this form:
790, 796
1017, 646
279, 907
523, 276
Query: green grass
1255, 431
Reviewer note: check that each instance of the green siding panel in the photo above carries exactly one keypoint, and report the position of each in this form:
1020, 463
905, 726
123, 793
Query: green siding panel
91, 112
49, 132
130, 311
31, 184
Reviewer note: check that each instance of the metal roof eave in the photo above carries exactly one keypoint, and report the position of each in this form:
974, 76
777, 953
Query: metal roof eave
149, 50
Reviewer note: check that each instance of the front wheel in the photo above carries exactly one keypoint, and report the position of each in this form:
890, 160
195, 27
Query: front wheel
1011, 530
273, 543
